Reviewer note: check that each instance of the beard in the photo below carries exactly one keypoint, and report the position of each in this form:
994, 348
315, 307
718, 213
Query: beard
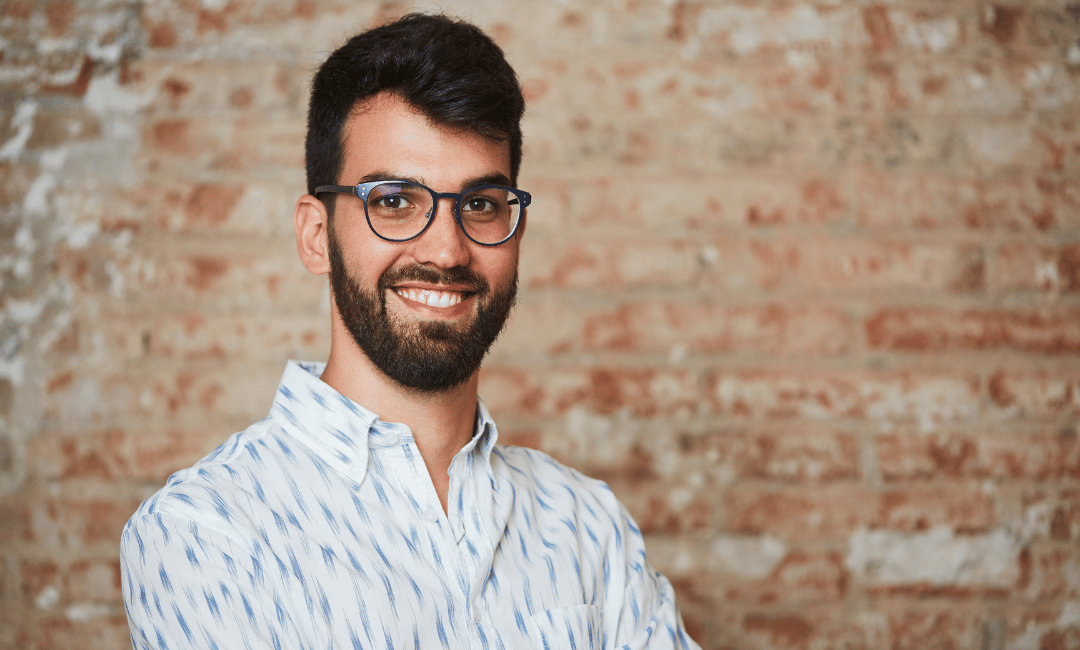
427, 356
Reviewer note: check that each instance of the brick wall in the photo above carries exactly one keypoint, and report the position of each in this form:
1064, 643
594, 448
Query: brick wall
801, 282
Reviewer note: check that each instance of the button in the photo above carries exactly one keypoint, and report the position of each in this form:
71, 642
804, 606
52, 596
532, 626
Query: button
476, 612
391, 438
431, 516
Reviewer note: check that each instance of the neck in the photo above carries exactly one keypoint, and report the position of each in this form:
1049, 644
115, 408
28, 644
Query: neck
441, 423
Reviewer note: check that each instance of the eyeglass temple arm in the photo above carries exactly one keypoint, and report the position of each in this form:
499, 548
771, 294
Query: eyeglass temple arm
337, 189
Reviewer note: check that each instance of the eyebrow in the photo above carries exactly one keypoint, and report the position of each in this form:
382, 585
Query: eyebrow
495, 178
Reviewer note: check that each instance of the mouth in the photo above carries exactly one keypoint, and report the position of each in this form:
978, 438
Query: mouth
432, 298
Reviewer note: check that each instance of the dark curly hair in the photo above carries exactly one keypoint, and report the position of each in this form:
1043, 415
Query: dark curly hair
447, 69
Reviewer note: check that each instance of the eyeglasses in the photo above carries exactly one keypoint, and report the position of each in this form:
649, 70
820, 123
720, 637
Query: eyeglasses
398, 211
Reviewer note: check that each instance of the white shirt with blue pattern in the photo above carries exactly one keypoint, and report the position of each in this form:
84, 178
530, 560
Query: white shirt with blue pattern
319, 527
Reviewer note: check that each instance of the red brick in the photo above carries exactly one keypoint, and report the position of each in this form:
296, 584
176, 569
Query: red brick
1024, 266
930, 329
73, 520
247, 29
912, 508
260, 208
546, 393
913, 141
115, 455
1065, 638
660, 511
1051, 514
747, 30
1050, 144
100, 455
176, 145
830, 511
984, 86
789, 454
15, 179
1010, 456
37, 575
199, 280
1018, 202
1037, 394
551, 262
828, 627
727, 198
781, 630
60, 127
1068, 267
107, 631
197, 337
917, 628
713, 327
912, 201
521, 437
869, 265
753, 29
541, 323
801, 84
1001, 23
216, 85
91, 522
801, 577
157, 455
933, 31
904, 396
710, 625
557, 193
185, 396
1054, 573
1056, 143
799, 514
161, 35
93, 580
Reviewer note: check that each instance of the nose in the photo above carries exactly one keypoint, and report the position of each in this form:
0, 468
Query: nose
443, 244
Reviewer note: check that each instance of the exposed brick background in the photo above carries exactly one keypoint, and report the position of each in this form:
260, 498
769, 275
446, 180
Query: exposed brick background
801, 281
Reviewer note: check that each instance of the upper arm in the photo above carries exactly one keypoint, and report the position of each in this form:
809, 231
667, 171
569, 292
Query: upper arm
189, 586
643, 598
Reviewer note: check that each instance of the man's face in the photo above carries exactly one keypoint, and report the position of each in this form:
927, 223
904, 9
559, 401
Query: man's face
424, 311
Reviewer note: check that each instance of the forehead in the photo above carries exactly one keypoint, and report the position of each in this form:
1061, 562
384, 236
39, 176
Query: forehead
386, 135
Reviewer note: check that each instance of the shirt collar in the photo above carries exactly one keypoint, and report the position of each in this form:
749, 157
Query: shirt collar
485, 435
332, 425
338, 429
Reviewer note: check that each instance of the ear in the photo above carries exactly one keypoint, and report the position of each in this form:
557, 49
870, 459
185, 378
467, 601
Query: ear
312, 225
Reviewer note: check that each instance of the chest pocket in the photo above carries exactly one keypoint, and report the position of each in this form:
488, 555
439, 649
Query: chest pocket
567, 628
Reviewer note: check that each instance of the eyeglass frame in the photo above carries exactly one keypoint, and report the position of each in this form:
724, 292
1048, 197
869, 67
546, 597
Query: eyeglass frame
361, 191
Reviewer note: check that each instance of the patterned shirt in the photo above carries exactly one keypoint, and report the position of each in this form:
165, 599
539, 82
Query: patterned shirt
319, 527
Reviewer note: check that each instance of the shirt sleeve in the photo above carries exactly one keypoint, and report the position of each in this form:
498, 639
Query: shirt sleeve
644, 599
186, 585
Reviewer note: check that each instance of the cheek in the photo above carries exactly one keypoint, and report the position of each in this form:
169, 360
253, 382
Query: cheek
501, 269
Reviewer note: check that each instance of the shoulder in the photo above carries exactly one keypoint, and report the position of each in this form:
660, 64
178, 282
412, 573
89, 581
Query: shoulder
214, 491
531, 464
551, 482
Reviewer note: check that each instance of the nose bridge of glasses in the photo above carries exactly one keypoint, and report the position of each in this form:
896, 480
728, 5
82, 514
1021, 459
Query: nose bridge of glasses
452, 197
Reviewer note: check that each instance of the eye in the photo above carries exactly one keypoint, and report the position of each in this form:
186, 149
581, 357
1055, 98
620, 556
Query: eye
391, 202
478, 204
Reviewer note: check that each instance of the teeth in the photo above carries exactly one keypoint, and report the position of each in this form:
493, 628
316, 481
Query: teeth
431, 298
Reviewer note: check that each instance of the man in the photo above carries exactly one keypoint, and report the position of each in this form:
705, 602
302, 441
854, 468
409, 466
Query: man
372, 508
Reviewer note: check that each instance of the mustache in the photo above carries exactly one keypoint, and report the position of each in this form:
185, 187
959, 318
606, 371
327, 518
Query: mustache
458, 275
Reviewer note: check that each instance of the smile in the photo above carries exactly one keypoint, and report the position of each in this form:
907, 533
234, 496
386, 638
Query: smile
431, 298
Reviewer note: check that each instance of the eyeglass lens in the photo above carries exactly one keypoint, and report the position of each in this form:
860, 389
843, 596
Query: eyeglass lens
402, 210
